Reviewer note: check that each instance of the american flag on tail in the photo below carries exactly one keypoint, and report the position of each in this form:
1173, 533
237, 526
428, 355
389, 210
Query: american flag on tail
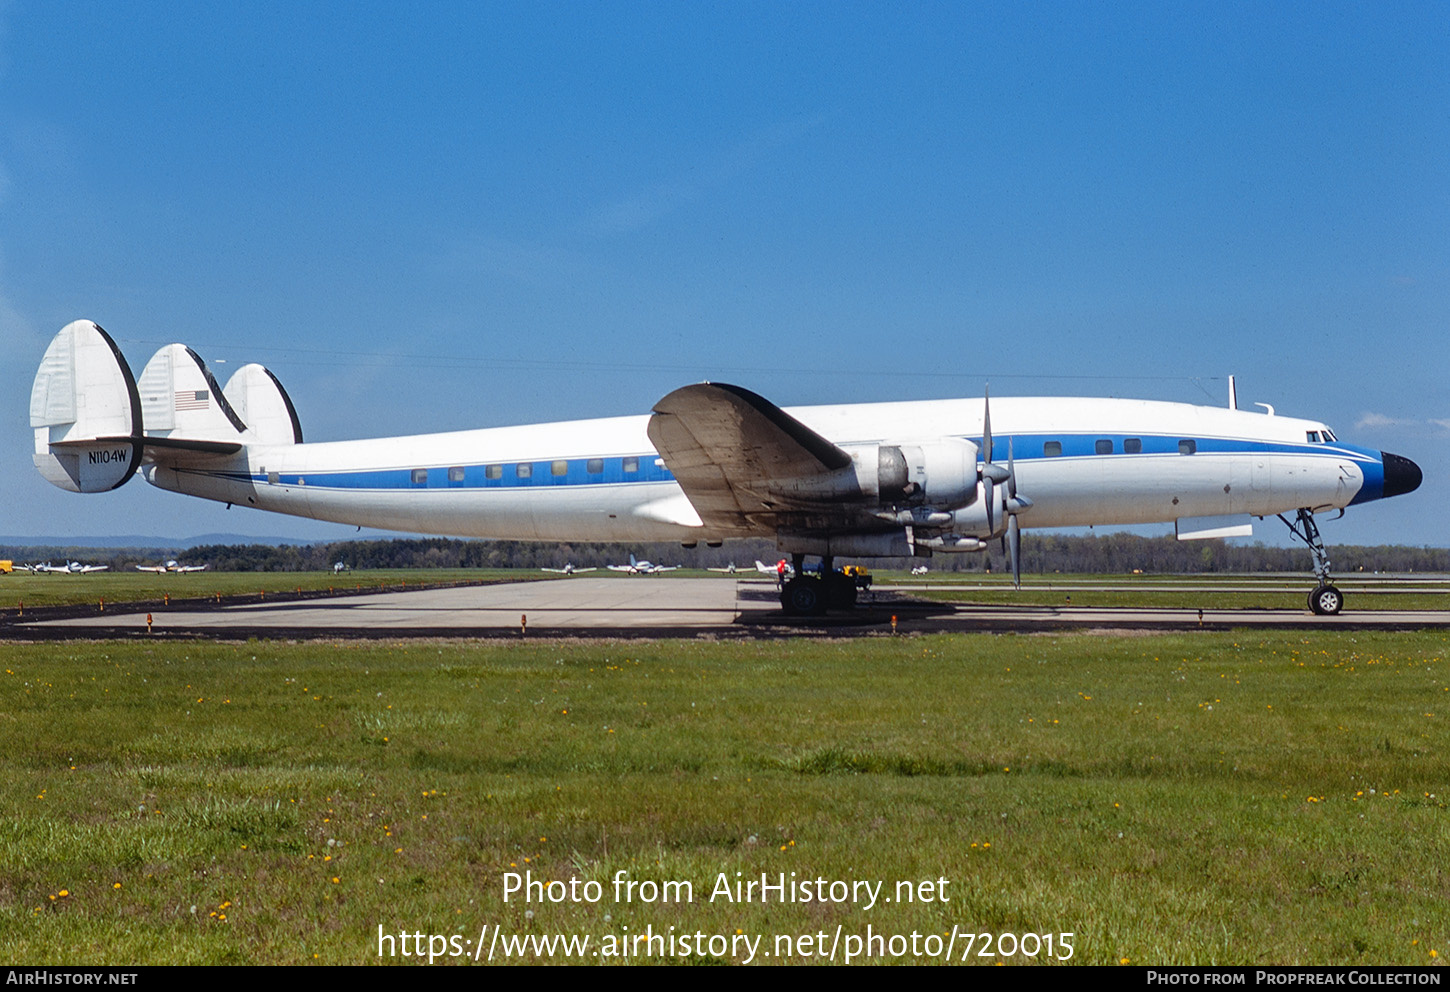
193, 399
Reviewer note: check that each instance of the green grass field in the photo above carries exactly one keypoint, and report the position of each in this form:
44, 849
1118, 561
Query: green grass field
1165, 799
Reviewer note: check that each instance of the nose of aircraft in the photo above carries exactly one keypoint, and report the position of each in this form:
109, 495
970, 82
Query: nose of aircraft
1401, 475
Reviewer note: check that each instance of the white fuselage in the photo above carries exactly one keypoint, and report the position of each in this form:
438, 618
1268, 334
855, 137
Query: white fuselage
1079, 461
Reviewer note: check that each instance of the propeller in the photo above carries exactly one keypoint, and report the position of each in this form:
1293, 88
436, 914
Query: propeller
1014, 530
993, 474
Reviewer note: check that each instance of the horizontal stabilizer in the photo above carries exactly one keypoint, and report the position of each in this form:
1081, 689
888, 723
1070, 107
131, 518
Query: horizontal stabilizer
86, 412
181, 399
259, 399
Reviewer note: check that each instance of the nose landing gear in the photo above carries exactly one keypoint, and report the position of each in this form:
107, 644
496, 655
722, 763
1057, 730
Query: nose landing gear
1325, 600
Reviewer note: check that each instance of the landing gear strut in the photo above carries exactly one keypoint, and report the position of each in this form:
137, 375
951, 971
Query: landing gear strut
1325, 600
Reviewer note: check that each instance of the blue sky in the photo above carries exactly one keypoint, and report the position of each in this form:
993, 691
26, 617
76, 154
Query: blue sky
438, 216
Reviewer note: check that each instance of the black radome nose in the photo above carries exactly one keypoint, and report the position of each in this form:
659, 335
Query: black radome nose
1401, 475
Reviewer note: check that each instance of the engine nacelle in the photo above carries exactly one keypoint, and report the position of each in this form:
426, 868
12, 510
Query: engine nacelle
938, 472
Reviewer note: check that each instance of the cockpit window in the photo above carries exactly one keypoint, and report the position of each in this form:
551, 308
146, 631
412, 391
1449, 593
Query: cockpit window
1329, 435
1313, 437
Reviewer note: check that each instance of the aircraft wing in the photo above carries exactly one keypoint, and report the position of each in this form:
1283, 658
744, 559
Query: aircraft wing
150, 568
742, 460
93, 568
620, 568
191, 568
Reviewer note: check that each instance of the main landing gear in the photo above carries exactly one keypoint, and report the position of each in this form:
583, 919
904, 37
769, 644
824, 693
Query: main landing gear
1325, 600
811, 594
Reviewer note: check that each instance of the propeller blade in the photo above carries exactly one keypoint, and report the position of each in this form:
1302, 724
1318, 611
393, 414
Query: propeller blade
986, 424
1014, 542
987, 473
1011, 471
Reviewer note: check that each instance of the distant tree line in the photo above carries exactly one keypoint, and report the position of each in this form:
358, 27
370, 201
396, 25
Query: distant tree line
1106, 553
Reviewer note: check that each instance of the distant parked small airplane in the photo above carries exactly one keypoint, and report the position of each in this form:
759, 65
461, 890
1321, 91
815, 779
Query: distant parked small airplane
920, 570
172, 566
71, 568
641, 567
570, 569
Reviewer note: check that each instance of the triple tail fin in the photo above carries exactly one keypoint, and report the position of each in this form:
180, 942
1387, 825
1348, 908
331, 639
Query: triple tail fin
93, 420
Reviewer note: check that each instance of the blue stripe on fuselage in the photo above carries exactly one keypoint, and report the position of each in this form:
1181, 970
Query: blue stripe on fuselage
1373, 468
1024, 447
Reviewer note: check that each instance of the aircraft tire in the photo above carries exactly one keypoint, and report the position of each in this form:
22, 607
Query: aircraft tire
803, 597
1326, 601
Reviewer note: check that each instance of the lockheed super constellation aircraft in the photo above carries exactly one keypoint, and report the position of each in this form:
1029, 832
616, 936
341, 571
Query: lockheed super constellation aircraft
714, 461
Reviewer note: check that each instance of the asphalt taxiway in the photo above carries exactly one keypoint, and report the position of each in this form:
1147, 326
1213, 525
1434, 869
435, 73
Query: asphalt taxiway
647, 606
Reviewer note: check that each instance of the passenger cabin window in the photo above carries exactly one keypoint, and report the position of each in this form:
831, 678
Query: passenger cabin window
455, 474
1187, 446
1133, 445
631, 464
559, 467
1103, 447
420, 476
493, 471
524, 469
1052, 448
594, 466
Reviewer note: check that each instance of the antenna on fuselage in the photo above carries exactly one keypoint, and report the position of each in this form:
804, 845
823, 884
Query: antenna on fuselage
1233, 394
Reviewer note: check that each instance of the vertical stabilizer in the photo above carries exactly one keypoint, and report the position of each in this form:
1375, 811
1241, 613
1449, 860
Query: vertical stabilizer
262, 403
181, 399
85, 411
